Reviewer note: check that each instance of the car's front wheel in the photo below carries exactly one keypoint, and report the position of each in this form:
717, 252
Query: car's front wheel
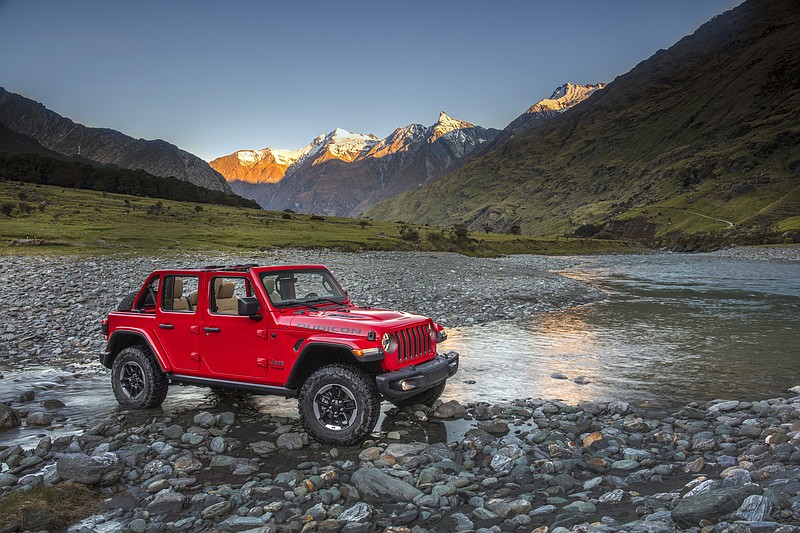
137, 379
339, 404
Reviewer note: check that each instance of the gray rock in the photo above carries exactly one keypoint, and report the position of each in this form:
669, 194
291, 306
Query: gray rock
187, 464
360, 512
580, 508
205, 419
263, 447
9, 419
451, 409
290, 441
39, 419
167, 502
242, 523
217, 509
711, 505
625, 464
6, 480
137, 525
754, 508
402, 450
460, 522
373, 483
103, 468
173, 432
244, 467
222, 461
218, 445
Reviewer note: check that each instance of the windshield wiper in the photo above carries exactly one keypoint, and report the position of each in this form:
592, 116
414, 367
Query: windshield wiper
330, 300
291, 303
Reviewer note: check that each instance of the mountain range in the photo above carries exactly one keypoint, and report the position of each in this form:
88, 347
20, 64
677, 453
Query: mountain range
55, 134
699, 139
344, 173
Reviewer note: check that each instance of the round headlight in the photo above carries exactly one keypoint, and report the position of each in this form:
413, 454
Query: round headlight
388, 343
432, 332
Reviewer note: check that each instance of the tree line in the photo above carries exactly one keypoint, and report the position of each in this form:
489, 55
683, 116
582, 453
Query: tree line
31, 168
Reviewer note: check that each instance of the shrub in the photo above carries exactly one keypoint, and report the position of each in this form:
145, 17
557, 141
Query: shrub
514, 229
286, 216
460, 234
317, 218
7, 208
25, 207
363, 224
409, 234
198, 209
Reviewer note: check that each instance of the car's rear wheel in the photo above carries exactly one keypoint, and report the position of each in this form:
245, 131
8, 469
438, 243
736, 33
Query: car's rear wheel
137, 379
339, 404
427, 397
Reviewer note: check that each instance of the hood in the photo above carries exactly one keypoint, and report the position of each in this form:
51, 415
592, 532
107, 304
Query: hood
358, 321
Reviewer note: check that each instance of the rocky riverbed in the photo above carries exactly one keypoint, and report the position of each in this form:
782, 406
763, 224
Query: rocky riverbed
526, 465
531, 465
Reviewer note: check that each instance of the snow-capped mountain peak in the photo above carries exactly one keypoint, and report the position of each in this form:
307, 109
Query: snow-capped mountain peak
565, 97
446, 124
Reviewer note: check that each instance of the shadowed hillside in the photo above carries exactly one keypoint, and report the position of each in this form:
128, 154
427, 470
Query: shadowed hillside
697, 144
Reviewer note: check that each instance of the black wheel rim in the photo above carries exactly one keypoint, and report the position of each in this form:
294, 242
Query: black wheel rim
335, 407
132, 380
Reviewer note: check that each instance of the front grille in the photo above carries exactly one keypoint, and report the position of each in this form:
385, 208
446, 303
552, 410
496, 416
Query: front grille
413, 343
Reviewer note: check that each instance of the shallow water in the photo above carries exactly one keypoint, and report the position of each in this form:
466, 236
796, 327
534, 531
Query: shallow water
673, 329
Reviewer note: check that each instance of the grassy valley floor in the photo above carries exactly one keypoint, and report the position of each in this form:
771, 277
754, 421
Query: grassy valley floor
51, 220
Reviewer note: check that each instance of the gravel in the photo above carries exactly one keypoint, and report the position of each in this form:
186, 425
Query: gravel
52, 307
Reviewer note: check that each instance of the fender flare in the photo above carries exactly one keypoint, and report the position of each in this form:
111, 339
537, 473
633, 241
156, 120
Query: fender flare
306, 354
116, 339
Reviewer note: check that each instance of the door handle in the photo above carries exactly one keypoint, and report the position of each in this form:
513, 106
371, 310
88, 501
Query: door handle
166, 326
211, 330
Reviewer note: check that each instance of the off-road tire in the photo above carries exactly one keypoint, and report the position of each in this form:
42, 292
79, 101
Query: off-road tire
356, 388
427, 397
137, 379
127, 303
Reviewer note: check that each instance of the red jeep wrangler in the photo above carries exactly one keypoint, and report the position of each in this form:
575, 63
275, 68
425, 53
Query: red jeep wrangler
285, 330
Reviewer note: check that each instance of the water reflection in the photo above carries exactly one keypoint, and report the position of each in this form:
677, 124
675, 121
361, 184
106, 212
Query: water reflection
673, 329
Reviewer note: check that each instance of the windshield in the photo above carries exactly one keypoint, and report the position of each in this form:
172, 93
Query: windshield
302, 287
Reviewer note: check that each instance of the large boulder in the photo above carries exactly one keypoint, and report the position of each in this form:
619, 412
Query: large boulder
711, 505
103, 468
9, 419
375, 484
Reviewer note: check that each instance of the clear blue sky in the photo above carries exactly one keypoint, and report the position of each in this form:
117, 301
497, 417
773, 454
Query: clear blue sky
214, 77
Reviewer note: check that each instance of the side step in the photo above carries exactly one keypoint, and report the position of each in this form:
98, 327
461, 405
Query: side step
180, 379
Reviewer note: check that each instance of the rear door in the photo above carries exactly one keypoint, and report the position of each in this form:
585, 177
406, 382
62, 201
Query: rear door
233, 346
178, 321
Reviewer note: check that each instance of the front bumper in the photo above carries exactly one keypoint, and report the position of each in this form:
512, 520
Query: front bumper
422, 377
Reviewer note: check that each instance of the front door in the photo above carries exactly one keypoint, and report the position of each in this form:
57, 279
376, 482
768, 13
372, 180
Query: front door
233, 346
178, 321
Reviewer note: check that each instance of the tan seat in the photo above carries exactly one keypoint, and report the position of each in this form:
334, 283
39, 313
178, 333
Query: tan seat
179, 301
227, 303
193, 300
269, 285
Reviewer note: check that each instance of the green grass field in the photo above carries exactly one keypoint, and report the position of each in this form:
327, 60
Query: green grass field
52, 220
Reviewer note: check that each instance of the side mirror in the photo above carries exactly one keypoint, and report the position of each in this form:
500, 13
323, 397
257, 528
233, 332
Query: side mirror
248, 306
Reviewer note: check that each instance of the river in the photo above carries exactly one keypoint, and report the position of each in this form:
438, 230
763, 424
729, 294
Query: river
672, 329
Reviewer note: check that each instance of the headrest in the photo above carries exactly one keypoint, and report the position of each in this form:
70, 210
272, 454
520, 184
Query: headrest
269, 284
177, 287
225, 290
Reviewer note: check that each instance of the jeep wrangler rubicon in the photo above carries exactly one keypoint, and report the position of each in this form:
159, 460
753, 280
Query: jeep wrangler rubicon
285, 330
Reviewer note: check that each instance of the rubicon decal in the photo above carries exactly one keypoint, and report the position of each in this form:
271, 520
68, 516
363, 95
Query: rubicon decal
331, 329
